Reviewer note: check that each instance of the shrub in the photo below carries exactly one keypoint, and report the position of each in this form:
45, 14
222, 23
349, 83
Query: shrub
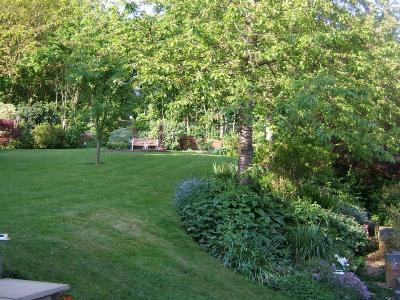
172, 131
349, 284
203, 144
221, 151
394, 214
119, 139
340, 230
230, 144
117, 146
259, 257
359, 214
73, 137
336, 197
239, 227
90, 142
385, 198
296, 159
302, 285
225, 171
7, 111
38, 112
261, 236
26, 139
278, 185
48, 136
316, 280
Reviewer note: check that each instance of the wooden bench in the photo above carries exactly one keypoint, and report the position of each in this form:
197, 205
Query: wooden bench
144, 143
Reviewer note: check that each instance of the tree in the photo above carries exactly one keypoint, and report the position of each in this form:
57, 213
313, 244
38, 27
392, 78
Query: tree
250, 56
100, 66
24, 26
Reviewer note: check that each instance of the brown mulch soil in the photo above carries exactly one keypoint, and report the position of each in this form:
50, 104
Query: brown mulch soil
375, 264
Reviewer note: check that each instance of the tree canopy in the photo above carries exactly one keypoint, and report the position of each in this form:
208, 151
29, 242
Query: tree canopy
321, 76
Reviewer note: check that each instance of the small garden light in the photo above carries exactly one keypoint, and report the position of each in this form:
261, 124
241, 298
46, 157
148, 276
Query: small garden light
3, 239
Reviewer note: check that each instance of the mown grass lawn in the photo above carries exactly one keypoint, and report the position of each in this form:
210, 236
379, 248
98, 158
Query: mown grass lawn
109, 230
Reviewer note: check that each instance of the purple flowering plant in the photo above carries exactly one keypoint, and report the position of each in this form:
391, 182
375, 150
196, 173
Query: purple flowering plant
340, 276
189, 189
351, 281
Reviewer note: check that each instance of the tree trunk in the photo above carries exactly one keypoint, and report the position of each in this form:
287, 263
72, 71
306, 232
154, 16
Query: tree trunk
221, 127
187, 126
245, 149
98, 145
98, 141
233, 124
161, 137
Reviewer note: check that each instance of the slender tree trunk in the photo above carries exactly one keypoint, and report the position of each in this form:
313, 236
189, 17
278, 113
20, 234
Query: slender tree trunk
161, 137
233, 124
98, 145
187, 126
245, 149
98, 141
221, 127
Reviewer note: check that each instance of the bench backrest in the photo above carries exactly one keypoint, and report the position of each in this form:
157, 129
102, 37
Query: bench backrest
142, 142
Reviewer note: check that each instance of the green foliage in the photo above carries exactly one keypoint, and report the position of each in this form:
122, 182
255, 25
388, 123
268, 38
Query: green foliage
221, 151
172, 131
294, 159
117, 146
359, 214
204, 144
90, 143
394, 214
385, 198
339, 230
73, 137
47, 136
38, 112
120, 135
306, 120
279, 185
119, 139
230, 144
336, 196
25, 141
25, 27
242, 229
301, 285
334, 210
308, 242
259, 235
225, 171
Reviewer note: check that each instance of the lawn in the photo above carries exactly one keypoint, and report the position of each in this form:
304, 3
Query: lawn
109, 230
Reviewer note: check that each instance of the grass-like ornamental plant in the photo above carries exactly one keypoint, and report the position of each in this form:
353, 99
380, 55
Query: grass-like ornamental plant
307, 242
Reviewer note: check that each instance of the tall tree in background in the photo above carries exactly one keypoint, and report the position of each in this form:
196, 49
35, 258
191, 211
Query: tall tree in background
73, 54
251, 56
24, 28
